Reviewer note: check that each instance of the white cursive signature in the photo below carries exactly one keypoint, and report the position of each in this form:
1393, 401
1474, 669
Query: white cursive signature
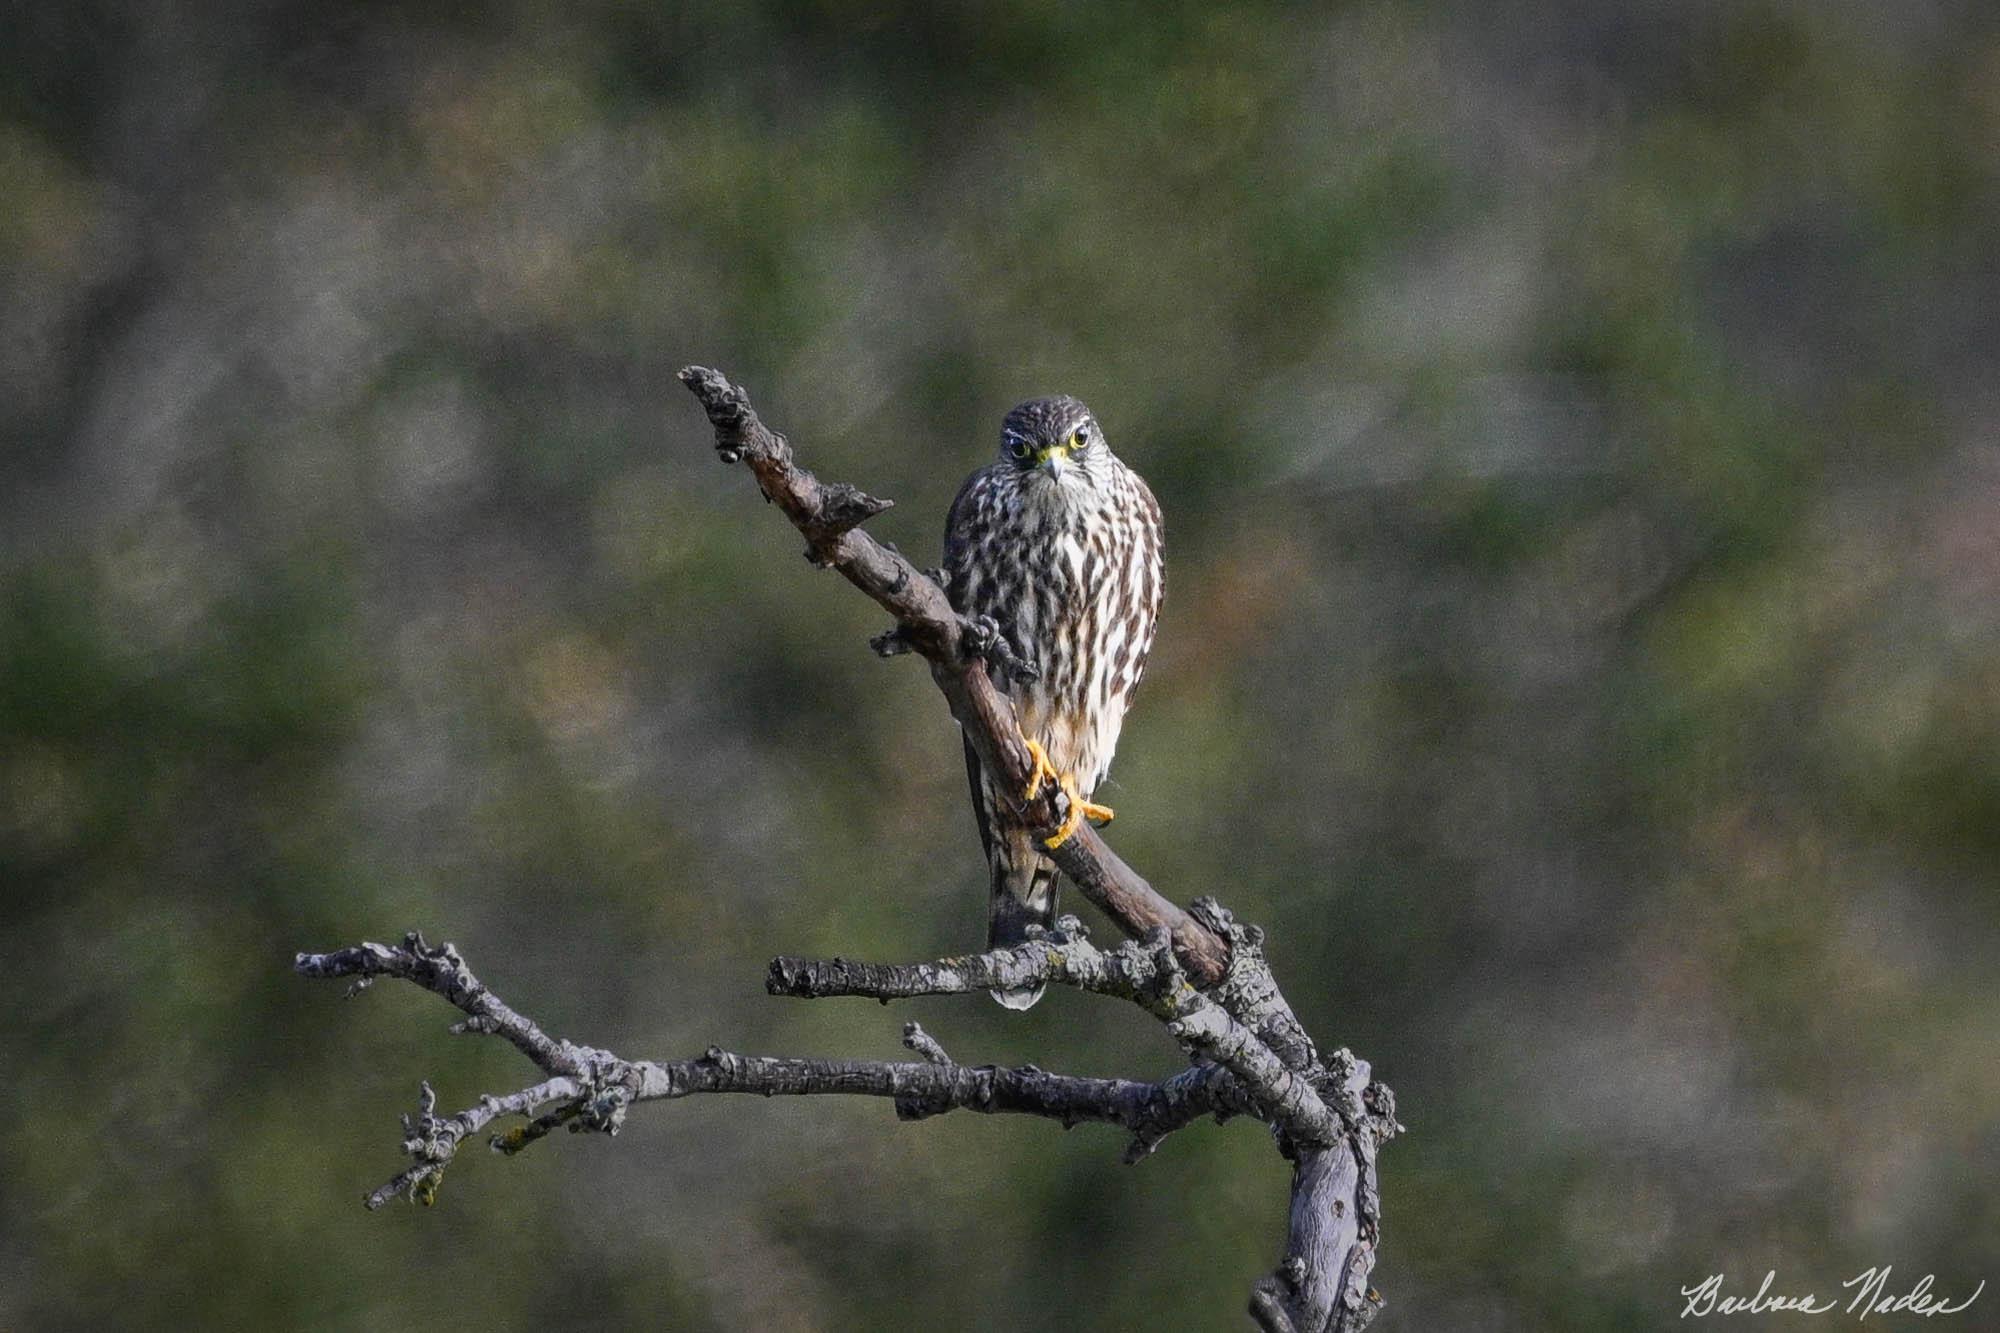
1871, 1296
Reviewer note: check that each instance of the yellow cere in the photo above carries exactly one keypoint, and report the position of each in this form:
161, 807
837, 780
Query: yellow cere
1065, 449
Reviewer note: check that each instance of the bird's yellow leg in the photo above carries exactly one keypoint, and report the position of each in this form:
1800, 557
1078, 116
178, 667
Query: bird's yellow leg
1044, 770
1079, 810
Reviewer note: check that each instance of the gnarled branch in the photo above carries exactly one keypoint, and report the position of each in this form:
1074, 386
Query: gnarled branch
590, 1089
1199, 971
1327, 1120
1150, 977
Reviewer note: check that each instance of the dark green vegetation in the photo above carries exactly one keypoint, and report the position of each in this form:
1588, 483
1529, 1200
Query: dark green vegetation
1582, 649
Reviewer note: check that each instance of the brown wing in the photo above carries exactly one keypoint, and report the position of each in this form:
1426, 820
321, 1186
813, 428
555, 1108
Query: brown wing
961, 543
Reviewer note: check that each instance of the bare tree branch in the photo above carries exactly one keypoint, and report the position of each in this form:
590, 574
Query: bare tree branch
1150, 977
591, 1089
1212, 986
1330, 1116
1199, 971
444, 973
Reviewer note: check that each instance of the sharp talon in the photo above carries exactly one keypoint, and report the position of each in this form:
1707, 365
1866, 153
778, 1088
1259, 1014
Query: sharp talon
1069, 824
1044, 771
1078, 810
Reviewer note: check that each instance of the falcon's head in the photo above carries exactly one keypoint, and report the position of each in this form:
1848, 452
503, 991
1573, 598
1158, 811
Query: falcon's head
1049, 435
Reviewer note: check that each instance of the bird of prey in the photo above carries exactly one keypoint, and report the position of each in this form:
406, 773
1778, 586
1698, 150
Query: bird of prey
1059, 544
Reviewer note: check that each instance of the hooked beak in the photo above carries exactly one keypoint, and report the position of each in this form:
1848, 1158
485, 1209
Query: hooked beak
1053, 463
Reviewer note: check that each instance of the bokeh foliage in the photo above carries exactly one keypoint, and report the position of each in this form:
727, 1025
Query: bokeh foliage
1577, 431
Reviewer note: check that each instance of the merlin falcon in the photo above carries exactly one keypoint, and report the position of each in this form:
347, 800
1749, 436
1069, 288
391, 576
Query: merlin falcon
1059, 544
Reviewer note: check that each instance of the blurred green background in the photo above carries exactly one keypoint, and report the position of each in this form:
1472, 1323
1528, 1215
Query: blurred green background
1577, 430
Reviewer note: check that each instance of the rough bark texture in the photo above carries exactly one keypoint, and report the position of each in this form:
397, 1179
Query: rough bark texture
1201, 973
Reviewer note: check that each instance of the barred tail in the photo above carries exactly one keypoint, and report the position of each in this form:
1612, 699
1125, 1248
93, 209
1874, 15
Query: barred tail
1023, 895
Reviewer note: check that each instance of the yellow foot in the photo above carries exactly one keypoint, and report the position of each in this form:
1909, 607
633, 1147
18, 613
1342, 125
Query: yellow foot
1044, 770
1080, 809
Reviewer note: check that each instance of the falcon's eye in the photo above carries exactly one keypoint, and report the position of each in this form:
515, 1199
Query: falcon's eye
1021, 449
1082, 437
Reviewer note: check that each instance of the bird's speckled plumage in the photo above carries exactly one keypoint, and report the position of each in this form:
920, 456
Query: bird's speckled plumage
1060, 543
